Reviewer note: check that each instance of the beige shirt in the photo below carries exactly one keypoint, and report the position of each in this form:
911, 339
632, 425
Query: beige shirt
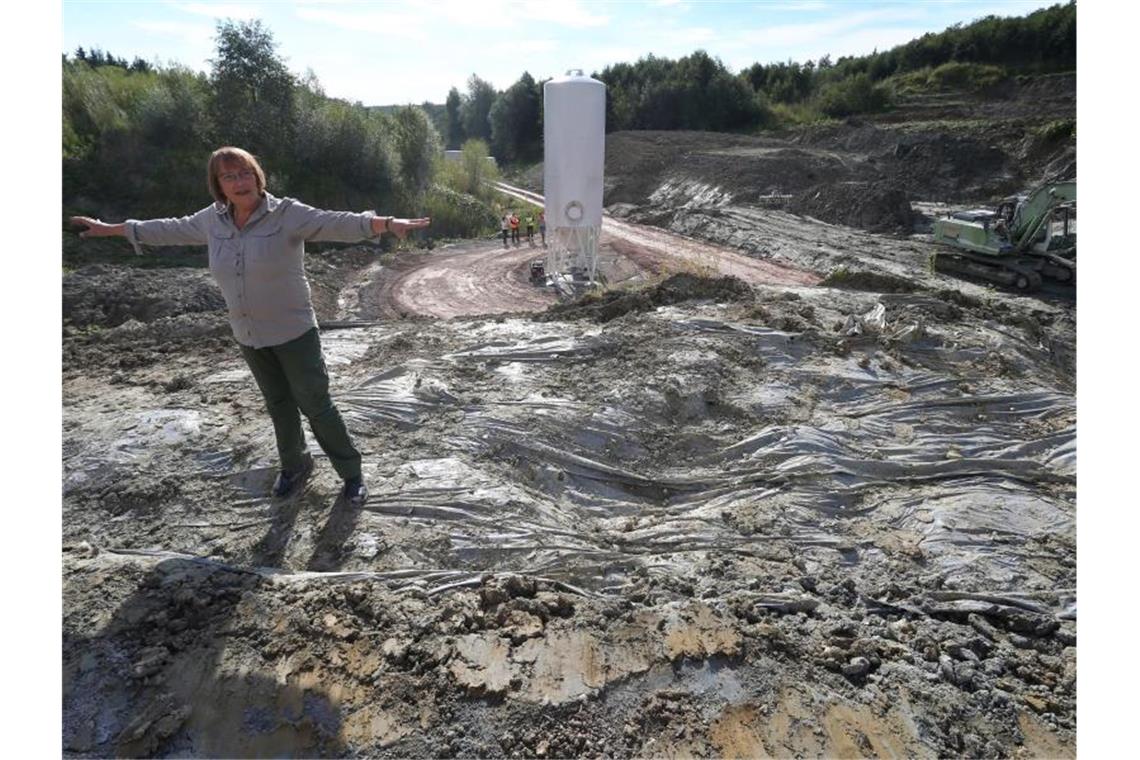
261, 267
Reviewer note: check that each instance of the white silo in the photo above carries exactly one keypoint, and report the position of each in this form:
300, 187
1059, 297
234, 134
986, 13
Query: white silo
574, 157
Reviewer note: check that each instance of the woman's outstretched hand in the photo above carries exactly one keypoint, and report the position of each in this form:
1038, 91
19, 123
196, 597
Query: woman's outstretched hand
95, 227
400, 227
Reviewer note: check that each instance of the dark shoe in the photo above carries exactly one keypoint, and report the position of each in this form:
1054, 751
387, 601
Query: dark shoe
288, 483
355, 492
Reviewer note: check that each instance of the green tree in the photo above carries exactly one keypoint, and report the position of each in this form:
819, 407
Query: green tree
418, 147
695, 92
515, 121
455, 134
478, 168
253, 90
476, 107
343, 154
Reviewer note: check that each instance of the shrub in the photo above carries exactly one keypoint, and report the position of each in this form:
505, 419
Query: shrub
473, 174
1059, 129
795, 114
970, 76
458, 215
911, 83
851, 96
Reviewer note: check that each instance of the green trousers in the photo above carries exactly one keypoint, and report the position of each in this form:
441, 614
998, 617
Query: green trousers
293, 379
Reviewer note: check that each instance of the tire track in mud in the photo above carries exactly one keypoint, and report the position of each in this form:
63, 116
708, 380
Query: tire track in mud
481, 278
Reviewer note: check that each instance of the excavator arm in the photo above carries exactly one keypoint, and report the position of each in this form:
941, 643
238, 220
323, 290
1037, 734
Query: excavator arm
1035, 210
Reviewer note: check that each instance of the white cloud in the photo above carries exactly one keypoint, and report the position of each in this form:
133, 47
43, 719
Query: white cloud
403, 25
805, 6
800, 34
687, 39
860, 42
197, 35
520, 17
568, 13
520, 48
865, 41
221, 10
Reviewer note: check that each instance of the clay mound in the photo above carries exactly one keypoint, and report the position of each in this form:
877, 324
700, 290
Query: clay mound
676, 289
105, 295
872, 282
872, 207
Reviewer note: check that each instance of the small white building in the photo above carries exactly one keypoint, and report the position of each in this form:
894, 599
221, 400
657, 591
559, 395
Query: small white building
457, 155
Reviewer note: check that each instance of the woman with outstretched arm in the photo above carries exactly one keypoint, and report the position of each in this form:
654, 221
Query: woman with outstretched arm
256, 245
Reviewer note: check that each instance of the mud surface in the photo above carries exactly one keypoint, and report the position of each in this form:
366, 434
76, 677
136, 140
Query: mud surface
785, 492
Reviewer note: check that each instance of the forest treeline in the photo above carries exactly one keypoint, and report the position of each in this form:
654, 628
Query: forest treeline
699, 92
135, 135
135, 139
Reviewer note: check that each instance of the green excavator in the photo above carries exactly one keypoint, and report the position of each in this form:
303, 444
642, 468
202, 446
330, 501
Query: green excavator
1027, 239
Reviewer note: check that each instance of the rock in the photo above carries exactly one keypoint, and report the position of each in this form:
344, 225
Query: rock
150, 661
492, 596
845, 629
395, 650
994, 666
857, 667
902, 627
522, 625
946, 668
85, 550
1065, 637
832, 655
982, 626
960, 651
1019, 641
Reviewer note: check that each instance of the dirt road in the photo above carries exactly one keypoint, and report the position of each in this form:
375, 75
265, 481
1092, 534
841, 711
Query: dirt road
467, 279
484, 277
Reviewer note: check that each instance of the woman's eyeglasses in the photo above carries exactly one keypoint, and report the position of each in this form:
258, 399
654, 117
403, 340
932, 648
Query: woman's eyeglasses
235, 176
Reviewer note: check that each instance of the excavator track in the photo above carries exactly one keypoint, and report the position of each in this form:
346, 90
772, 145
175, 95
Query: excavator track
1022, 273
1012, 273
1060, 267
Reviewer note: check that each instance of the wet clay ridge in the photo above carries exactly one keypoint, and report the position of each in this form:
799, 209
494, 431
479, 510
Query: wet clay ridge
777, 490
675, 289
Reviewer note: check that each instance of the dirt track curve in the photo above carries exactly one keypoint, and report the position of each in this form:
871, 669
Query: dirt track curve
483, 277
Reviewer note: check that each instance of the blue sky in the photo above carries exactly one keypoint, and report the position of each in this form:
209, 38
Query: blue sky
407, 52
